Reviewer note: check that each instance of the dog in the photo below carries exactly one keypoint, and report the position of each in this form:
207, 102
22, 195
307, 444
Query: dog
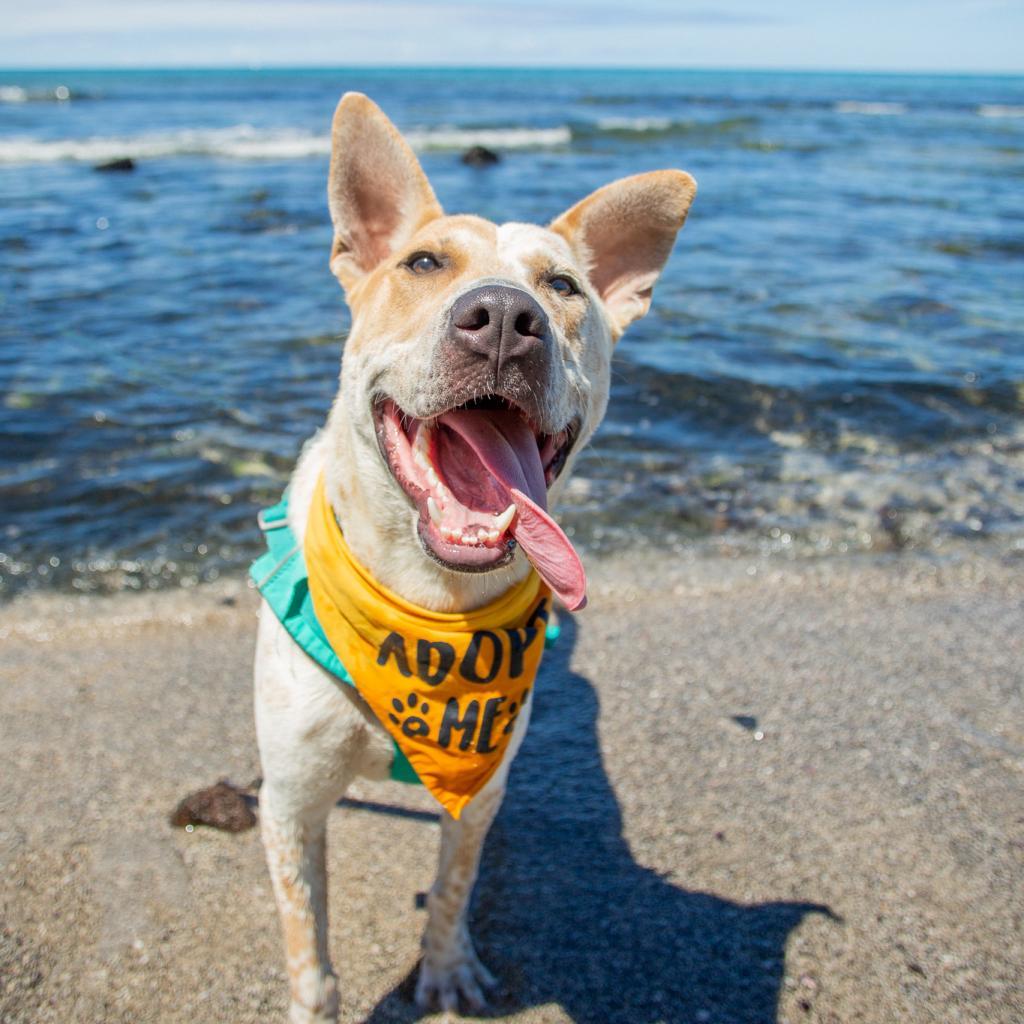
467, 333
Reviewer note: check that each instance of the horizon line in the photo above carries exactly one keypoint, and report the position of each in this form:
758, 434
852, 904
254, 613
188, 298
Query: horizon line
632, 68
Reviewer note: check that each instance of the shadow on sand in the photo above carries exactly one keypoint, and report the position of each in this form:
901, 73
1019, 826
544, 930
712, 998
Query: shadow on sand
563, 913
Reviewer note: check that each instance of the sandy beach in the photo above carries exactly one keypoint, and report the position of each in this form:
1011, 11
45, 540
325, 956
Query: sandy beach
752, 793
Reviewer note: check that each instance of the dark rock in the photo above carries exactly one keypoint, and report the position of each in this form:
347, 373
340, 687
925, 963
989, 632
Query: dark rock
894, 522
221, 806
124, 163
480, 156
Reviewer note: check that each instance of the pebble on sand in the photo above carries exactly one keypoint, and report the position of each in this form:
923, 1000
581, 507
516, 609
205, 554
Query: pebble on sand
220, 806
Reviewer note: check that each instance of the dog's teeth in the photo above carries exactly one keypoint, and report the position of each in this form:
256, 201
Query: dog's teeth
468, 538
492, 536
504, 519
421, 447
435, 512
432, 477
449, 534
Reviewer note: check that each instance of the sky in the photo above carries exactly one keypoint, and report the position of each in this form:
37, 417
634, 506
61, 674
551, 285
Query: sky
869, 35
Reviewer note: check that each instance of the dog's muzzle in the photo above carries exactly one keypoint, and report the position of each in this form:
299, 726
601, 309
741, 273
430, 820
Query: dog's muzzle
499, 337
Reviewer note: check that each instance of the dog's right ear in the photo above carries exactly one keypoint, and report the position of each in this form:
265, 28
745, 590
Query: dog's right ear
377, 192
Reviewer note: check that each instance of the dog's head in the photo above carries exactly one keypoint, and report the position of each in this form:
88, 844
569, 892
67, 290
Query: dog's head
478, 360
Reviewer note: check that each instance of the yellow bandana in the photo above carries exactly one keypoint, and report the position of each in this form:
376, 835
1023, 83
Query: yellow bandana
446, 686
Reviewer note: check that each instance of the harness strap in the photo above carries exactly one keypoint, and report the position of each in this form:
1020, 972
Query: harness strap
280, 576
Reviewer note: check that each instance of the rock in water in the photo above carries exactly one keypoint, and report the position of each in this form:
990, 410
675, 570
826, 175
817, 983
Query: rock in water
480, 156
124, 163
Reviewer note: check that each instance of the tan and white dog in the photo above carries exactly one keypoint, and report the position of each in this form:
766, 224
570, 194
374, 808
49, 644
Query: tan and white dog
447, 312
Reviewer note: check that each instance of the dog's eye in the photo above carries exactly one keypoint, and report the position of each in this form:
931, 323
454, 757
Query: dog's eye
563, 285
423, 263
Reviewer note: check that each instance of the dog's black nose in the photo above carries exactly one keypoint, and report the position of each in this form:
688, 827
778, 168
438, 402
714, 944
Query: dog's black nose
503, 325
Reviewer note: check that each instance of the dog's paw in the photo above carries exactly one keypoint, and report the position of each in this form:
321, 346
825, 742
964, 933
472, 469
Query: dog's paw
461, 981
320, 1002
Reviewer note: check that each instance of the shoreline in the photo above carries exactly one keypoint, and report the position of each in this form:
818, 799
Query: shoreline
787, 795
697, 565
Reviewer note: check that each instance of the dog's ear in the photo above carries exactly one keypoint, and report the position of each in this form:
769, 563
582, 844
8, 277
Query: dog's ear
623, 234
377, 192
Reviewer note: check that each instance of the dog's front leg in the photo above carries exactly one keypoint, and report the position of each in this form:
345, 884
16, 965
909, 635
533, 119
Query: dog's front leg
295, 855
312, 738
450, 968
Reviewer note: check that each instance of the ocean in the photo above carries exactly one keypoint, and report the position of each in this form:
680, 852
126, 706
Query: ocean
834, 361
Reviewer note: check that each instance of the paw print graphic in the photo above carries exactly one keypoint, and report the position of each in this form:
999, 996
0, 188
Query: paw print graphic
513, 711
413, 725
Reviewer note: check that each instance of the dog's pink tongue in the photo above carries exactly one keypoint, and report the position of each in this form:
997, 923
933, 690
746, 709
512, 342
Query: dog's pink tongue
507, 447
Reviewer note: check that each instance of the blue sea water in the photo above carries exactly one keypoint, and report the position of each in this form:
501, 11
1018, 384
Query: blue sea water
834, 361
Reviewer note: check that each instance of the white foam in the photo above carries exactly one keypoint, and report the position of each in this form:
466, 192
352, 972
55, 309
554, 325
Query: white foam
1000, 110
634, 124
872, 109
16, 94
243, 142
494, 138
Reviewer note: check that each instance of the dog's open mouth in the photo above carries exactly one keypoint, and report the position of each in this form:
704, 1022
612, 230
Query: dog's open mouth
479, 476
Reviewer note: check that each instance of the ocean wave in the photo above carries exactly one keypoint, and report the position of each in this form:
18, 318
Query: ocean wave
243, 142
238, 143
634, 124
495, 138
871, 109
639, 128
1000, 110
17, 94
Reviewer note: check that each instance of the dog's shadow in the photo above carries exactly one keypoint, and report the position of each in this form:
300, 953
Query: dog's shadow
563, 913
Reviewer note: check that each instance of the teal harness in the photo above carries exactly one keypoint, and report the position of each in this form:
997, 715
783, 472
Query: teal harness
280, 577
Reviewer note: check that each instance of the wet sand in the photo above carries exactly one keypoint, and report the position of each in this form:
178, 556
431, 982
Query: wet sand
792, 795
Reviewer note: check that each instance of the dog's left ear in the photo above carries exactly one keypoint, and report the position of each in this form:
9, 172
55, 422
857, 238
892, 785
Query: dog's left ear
378, 195
623, 234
